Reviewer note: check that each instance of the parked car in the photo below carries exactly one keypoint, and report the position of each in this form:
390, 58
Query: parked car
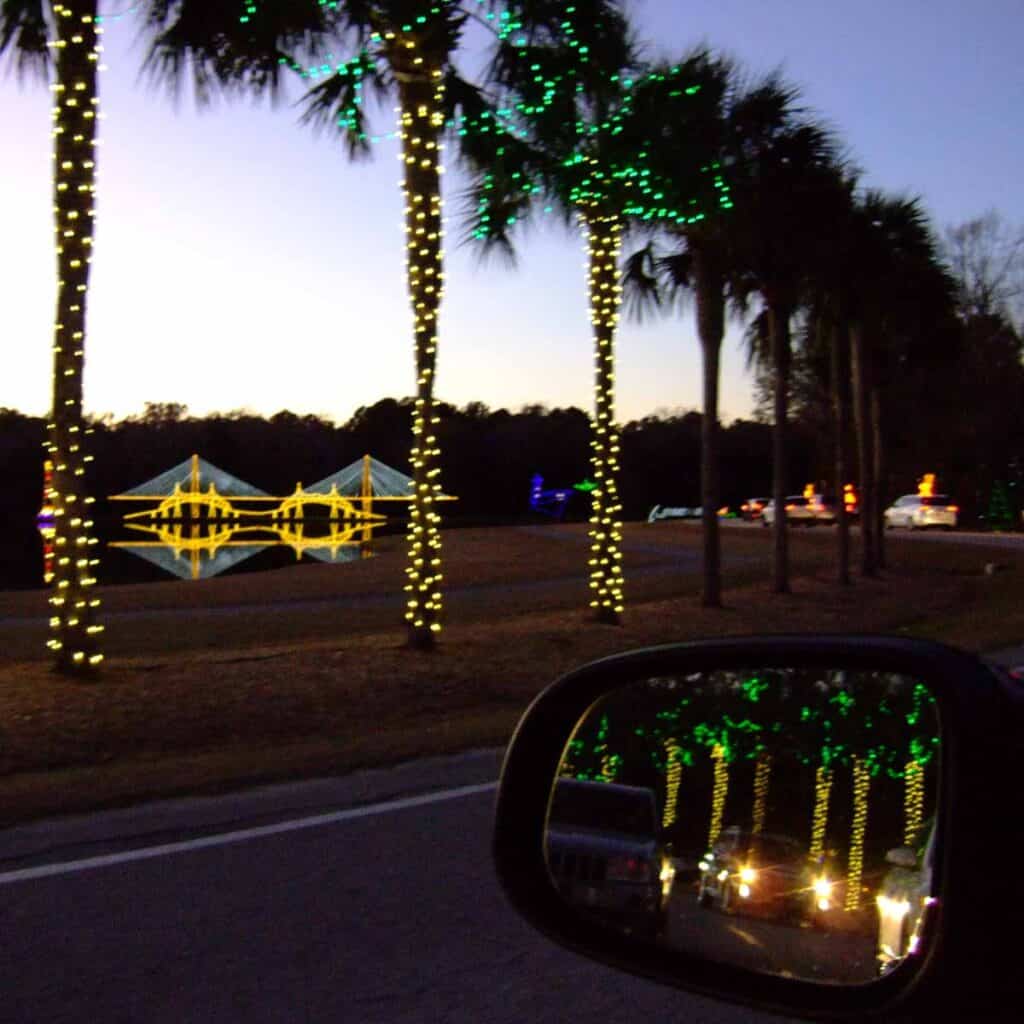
903, 899
753, 508
919, 512
673, 512
802, 511
762, 874
605, 853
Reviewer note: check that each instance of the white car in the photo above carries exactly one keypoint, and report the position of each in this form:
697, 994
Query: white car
918, 512
903, 899
801, 510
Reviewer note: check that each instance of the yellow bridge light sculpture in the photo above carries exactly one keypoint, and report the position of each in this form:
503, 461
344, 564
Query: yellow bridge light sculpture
202, 511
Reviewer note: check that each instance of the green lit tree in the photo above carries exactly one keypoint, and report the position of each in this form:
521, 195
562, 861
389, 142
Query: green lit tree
1000, 514
407, 48
592, 150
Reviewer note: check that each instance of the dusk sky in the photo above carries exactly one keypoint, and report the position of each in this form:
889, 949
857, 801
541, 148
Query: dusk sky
241, 262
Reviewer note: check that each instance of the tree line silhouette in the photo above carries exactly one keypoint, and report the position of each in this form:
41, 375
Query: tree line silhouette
488, 459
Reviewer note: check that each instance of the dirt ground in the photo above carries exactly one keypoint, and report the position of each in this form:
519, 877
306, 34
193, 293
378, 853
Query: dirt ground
303, 671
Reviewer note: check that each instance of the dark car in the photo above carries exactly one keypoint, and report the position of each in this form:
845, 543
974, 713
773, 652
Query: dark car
763, 874
753, 508
605, 853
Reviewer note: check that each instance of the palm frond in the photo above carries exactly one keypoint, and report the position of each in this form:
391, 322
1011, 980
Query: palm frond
24, 33
676, 270
337, 103
757, 342
223, 53
640, 289
492, 219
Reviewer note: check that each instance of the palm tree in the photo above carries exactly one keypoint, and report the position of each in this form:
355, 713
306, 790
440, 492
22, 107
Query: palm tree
706, 256
408, 49
788, 166
826, 337
595, 154
898, 295
63, 39
412, 57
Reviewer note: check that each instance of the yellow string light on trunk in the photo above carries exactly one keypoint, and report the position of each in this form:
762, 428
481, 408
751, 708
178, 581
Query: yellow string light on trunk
74, 633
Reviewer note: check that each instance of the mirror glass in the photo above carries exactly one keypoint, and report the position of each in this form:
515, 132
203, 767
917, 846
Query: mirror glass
779, 819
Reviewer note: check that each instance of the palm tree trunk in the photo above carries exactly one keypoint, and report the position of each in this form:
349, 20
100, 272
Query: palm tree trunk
762, 775
74, 634
421, 96
778, 326
673, 776
913, 801
604, 236
855, 856
819, 822
709, 289
878, 452
865, 459
839, 366
720, 792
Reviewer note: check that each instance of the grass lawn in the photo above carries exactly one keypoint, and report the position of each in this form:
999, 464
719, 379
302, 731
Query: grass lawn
303, 671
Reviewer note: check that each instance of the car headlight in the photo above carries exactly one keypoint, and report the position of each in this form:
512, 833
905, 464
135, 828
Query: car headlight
668, 874
748, 876
822, 893
895, 910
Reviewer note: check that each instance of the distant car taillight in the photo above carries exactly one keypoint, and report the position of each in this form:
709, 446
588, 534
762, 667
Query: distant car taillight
952, 508
629, 869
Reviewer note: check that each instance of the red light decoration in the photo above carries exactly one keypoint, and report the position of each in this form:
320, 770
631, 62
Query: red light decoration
46, 521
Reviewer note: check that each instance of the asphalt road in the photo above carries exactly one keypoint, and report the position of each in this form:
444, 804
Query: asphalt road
365, 899
258, 908
775, 946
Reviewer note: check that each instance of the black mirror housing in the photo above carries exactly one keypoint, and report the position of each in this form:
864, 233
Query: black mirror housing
965, 965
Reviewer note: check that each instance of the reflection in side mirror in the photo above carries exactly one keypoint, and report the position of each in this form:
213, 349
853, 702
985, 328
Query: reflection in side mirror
776, 819
902, 857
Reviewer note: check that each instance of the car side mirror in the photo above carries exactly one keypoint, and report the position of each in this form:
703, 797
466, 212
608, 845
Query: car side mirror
819, 759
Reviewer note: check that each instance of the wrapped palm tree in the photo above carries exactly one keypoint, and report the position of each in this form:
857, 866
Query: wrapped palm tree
62, 40
584, 137
220, 43
407, 49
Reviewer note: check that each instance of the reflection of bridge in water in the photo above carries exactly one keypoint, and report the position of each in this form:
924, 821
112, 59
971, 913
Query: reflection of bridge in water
205, 520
